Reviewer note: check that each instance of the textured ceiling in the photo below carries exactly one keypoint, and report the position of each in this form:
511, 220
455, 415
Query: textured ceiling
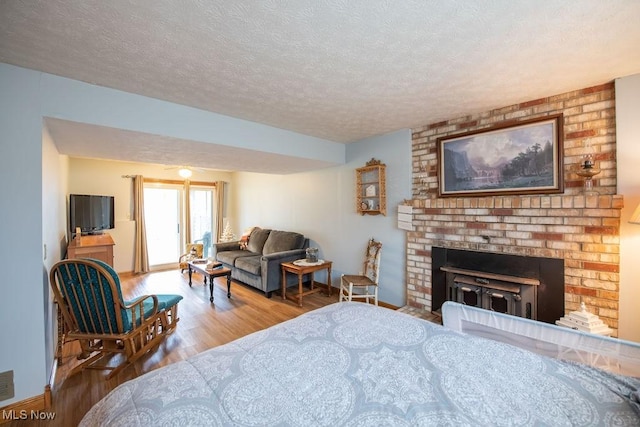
340, 70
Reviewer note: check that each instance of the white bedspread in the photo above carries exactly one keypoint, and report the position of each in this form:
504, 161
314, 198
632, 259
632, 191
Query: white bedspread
359, 365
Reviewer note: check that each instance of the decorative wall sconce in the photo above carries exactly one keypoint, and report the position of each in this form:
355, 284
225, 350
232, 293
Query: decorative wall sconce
587, 169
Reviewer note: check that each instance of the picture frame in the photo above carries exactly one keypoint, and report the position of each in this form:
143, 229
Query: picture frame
370, 191
507, 159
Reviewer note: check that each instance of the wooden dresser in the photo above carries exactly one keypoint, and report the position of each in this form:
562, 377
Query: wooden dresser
99, 246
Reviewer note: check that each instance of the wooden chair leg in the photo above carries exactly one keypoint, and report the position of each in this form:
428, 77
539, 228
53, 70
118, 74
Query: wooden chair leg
169, 318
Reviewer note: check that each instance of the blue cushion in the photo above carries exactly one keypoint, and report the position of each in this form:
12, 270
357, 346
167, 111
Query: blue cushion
164, 302
168, 301
147, 307
92, 320
126, 315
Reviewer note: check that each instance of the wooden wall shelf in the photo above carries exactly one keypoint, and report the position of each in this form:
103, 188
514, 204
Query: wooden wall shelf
371, 193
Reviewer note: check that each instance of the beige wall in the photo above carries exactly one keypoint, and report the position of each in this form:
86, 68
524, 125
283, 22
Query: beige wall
321, 204
628, 147
55, 169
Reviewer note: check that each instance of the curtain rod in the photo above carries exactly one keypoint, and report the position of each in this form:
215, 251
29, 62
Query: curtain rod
174, 181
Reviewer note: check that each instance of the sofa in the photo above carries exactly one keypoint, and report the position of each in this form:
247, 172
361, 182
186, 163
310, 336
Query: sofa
256, 262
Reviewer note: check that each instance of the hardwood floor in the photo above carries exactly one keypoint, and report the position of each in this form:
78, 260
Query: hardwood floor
202, 325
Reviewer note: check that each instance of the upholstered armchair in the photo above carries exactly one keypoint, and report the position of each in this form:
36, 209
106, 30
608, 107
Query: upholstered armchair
193, 251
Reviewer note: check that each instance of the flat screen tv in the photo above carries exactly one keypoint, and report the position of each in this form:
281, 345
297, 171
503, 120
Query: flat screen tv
91, 213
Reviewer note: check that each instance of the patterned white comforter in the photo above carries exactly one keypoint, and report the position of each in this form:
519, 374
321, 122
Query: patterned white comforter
355, 364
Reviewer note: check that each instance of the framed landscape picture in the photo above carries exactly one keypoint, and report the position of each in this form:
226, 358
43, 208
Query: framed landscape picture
521, 158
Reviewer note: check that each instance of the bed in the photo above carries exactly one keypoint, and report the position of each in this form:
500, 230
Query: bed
355, 364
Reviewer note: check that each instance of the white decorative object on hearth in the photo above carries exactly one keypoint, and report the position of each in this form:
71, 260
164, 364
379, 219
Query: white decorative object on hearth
584, 321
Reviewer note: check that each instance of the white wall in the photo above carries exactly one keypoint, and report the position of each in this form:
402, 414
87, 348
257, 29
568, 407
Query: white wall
22, 335
321, 205
81, 102
54, 224
104, 177
628, 157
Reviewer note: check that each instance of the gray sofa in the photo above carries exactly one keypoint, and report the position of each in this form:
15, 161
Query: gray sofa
258, 264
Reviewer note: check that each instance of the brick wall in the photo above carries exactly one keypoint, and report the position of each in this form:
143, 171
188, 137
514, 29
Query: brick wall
581, 229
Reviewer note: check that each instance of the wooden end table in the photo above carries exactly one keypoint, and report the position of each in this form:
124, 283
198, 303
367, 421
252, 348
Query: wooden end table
212, 271
301, 270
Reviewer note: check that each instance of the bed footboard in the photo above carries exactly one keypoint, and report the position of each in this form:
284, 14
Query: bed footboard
611, 354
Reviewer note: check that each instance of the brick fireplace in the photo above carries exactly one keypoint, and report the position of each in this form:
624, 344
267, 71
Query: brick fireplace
582, 230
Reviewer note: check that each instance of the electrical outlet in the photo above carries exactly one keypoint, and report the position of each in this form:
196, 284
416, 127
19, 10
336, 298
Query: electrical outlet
6, 385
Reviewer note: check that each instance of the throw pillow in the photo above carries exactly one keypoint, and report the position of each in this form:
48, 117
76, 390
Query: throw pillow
256, 240
244, 239
279, 241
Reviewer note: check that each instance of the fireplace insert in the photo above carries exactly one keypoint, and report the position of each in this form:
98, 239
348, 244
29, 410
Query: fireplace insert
530, 287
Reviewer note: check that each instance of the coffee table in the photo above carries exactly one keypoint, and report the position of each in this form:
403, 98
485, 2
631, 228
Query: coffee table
211, 270
301, 270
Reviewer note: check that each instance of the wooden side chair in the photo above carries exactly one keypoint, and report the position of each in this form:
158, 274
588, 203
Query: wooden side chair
193, 251
88, 294
367, 280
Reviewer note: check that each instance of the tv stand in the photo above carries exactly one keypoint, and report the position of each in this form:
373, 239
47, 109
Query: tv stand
97, 246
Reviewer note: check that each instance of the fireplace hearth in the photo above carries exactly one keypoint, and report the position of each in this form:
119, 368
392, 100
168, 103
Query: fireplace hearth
530, 287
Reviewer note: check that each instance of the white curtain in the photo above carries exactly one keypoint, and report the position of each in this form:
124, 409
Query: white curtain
187, 209
141, 256
219, 210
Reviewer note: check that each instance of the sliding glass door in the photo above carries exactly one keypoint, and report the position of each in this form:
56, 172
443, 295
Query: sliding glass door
171, 222
162, 213
201, 216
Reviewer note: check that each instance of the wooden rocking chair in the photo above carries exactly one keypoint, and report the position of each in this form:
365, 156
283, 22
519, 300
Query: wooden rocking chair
90, 299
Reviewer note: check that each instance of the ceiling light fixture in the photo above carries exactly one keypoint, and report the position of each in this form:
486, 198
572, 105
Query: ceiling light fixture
185, 172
